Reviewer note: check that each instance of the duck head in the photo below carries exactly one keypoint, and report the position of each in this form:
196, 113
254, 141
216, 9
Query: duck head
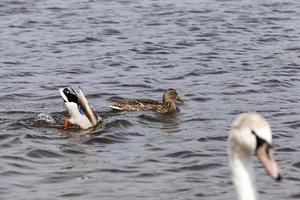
171, 94
77, 106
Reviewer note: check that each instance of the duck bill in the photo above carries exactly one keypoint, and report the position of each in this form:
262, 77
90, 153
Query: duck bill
179, 99
267, 158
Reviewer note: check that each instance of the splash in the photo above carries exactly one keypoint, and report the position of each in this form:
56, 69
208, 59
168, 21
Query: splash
44, 120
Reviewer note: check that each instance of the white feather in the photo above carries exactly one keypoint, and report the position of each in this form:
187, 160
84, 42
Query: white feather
242, 145
76, 117
115, 107
61, 91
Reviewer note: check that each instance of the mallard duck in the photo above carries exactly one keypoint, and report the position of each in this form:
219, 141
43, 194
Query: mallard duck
79, 110
250, 134
167, 105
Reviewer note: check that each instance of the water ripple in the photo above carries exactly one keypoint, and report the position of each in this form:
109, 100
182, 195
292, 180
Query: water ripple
41, 153
224, 57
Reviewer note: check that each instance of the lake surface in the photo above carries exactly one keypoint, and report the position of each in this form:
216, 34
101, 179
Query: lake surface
223, 57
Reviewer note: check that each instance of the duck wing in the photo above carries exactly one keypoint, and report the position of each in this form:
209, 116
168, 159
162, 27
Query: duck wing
91, 115
166, 107
136, 105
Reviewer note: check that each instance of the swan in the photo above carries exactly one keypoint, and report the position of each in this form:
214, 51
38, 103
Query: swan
79, 110
250, 134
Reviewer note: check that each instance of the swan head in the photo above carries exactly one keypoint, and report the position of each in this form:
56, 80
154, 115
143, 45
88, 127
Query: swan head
171, 94
251, 134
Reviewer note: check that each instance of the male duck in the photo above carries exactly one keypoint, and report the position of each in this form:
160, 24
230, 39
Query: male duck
168, 104
80, 112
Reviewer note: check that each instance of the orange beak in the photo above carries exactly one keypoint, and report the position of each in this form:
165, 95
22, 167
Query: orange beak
266, 157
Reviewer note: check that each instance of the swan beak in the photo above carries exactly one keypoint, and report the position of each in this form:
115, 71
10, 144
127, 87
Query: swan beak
179, 99
266, 157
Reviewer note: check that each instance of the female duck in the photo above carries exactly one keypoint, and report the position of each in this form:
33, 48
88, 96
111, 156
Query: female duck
168, 104
79, 110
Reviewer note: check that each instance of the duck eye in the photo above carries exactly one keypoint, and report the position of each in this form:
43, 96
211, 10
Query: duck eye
253, 132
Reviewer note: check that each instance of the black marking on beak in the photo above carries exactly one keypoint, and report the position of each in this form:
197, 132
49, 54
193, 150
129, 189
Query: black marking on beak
260, 142
279, 177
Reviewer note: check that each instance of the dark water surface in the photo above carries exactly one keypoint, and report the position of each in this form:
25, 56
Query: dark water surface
223, 57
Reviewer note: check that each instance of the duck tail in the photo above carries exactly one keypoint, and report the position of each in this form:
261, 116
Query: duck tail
115, 108
63, 95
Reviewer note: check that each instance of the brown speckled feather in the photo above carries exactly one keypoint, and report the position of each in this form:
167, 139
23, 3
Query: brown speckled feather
168, 105
146, 104
137, 104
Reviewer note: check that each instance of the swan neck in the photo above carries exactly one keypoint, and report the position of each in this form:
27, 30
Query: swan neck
243, 177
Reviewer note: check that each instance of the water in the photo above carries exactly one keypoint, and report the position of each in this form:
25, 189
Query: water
223, 57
